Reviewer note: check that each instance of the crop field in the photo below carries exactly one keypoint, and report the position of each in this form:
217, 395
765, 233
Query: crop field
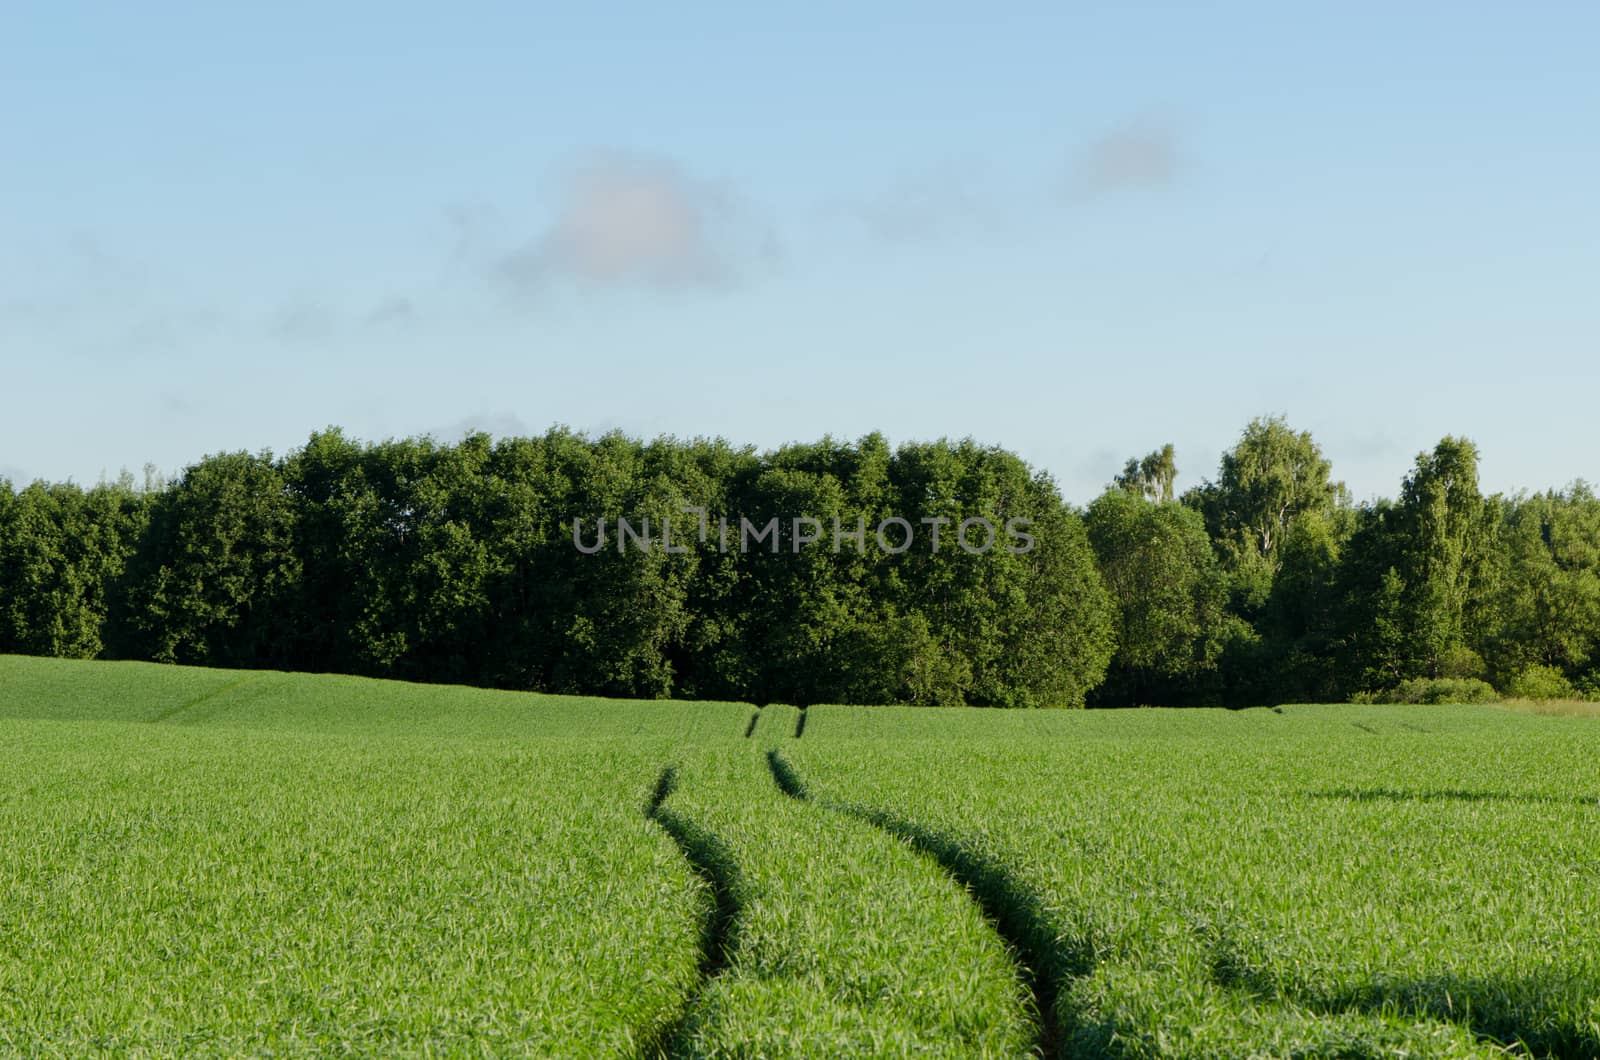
1329, 881
216, 863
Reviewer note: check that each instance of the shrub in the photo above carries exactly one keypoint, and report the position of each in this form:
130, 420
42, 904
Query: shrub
1541, 682
1460, 662
1434, 690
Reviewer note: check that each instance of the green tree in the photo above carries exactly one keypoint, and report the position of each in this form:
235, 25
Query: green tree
61, 550
1152, 478
1369, 630
1170, 595
1017, 626
808, 612
1447, 533
1299, 623
1271, 478
613, 622
1418, 578
1546, 603
345, 537
215, 574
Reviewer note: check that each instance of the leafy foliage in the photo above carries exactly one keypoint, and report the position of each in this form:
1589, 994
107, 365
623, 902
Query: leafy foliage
62, 550
1170, 592
1542, 683
1434, 691
459, 562
1266, 484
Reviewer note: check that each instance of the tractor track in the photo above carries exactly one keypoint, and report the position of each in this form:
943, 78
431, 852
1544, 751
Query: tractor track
711, 861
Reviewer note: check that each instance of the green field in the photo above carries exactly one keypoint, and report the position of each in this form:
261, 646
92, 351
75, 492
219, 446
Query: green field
211, 863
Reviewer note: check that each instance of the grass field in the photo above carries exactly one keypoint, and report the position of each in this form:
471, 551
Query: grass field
207, 863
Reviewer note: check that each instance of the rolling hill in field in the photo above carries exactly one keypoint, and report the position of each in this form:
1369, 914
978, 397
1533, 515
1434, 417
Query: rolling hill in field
209, 863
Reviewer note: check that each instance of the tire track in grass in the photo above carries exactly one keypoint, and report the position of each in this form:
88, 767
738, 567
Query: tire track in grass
1047, 960
1014, 912
189, 704
710, 860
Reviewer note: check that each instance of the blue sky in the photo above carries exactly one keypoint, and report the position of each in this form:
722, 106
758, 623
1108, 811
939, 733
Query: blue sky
1076, 230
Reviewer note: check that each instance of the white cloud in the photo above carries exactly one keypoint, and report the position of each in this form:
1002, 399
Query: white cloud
626, 220
1138, 154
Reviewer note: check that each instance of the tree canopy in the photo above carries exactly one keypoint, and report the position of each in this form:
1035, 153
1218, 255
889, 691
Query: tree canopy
835, 571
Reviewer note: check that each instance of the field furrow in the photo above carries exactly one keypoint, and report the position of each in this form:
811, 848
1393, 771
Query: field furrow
1281, 912
844, 943
711, 861
204, 863
1004, 905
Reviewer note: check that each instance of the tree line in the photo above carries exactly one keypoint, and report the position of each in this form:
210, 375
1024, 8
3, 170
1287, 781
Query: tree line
460, 562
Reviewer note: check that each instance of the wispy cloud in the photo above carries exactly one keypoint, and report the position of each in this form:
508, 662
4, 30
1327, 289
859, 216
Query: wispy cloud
175, 404
87, 295
92, 268
925, 206
302, 320
1139, 154
471, 227
1100, 465
628, 220
174, 329
499, 424
59, 283
392, 311
24, 312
